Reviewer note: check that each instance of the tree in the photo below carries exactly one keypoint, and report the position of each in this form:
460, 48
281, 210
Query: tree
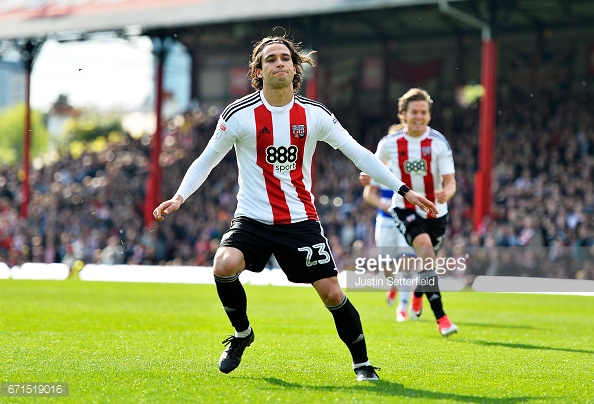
12, 124
90, 130
91, 125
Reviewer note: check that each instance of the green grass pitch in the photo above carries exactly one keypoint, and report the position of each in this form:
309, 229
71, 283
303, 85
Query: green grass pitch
160, 343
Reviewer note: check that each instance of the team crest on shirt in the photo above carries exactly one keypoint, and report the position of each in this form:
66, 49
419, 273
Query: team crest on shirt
426, 151
298, 131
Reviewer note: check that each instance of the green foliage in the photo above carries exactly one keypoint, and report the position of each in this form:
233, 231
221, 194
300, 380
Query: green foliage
89, 131
89, 126
160, 343
12, 124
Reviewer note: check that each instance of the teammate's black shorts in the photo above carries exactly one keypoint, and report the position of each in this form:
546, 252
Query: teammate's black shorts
301, 249
411, 225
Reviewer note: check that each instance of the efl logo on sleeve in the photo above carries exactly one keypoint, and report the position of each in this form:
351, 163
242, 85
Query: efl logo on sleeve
220, 130
335, 122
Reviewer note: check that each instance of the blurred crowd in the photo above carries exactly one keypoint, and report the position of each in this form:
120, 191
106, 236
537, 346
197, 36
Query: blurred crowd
90, 209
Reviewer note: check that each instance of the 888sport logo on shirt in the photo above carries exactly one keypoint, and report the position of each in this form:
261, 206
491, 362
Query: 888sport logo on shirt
283, 158
415, 167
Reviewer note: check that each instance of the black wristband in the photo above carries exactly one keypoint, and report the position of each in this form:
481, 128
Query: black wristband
403, 190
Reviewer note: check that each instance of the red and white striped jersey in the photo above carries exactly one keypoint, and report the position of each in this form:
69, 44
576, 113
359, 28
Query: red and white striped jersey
274, 148
420, 162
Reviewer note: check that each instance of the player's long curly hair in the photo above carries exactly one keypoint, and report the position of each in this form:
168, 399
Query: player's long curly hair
297, 57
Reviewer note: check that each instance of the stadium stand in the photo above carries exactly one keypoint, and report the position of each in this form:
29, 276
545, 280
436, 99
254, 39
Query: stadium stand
90, 208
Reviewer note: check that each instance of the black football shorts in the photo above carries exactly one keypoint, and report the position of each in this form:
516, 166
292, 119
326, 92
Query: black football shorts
411, 225
300, 248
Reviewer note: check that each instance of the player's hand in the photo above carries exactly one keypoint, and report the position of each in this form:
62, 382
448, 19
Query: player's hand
167, 207
364, 178
421, 202
441, 196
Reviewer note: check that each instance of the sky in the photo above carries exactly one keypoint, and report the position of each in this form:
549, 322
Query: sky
108, 73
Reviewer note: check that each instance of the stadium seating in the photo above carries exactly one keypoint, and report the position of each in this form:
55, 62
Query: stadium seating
90, 209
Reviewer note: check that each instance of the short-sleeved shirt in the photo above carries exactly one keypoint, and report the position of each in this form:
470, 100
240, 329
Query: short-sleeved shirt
421, 162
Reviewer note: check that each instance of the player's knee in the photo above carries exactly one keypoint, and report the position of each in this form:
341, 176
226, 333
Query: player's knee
228, 262
333, 297
423, 245
423, 242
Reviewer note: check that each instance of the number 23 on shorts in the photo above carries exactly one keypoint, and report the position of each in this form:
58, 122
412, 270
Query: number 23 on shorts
324, 256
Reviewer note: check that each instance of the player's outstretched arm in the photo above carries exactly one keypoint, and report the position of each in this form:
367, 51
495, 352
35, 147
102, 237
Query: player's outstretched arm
167, 207
376, 169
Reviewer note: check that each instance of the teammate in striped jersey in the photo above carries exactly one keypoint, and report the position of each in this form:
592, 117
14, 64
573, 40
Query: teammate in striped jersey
422, 157
274, 132
387, 236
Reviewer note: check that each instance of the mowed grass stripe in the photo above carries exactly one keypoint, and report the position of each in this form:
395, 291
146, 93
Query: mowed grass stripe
160, 343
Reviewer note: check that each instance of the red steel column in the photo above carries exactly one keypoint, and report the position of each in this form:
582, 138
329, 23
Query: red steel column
483, 177
25, 186
153, 185
28, 53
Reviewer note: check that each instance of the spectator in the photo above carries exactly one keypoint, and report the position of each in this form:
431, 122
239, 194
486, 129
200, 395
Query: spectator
544, 170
